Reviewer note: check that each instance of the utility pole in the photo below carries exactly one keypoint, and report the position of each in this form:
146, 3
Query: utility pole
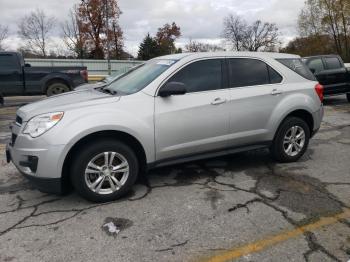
108, 44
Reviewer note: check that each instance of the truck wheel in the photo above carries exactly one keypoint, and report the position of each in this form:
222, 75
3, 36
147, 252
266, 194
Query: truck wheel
57, 88
348, 97
291, 140
104, 170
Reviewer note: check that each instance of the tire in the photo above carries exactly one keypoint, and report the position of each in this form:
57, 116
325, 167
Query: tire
57, 88
83, 176
348, 97
286, 148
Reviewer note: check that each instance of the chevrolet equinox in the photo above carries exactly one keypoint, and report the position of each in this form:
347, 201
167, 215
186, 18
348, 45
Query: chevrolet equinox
172, 109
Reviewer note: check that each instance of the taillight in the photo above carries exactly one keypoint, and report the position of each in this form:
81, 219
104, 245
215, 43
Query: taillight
84, 74
319, 90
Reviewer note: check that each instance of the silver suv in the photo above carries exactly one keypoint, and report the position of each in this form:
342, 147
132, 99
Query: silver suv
171, 109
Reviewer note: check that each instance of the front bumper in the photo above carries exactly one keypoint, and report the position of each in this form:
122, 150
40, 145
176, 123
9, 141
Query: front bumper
38, 162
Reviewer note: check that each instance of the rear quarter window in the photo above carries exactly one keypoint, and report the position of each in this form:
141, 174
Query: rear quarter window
332, 63
298, 67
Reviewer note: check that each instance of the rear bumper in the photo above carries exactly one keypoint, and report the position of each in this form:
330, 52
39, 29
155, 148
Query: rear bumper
317, 117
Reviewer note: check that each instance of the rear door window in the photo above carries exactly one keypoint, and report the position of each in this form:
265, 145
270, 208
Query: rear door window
251, 72
298, 67
332, 63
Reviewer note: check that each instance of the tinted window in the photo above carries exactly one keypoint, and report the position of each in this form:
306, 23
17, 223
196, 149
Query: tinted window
7, 62
315, 64
332, 63
275, 77
248, 72
200, 76
298, 67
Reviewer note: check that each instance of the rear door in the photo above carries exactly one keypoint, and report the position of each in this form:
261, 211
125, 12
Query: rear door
196, 122
11, 76
255, 90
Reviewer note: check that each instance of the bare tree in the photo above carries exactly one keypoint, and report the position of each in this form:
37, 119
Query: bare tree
3, 35
35, 30
194, 46
234, 31
259, 36
73, 36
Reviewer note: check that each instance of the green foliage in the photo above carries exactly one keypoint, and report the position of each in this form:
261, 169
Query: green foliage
162, 44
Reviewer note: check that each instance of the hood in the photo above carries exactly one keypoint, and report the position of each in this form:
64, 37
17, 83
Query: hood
64, 102
90, 86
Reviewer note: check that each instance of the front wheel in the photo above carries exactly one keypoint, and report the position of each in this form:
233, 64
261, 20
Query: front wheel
291, 140
104, 171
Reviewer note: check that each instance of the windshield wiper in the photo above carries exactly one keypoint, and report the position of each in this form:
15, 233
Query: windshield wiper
109, 91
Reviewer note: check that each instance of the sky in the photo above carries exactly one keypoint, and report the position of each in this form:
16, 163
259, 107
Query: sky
200, 20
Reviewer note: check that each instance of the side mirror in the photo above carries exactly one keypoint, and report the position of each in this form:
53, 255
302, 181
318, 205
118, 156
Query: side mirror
27, 65
172, 88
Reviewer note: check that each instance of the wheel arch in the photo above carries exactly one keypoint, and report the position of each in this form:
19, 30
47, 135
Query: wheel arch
111, 134
300, 113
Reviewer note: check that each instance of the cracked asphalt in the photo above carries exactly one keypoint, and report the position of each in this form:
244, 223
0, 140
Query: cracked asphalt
195, 211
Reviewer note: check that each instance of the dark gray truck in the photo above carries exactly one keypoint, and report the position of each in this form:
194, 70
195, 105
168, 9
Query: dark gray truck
20, 79
331, 72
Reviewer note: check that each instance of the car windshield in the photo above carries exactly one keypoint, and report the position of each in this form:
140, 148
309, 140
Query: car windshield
112, 78
135, 80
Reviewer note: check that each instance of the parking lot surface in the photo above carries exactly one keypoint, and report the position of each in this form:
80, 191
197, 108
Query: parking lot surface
242, 207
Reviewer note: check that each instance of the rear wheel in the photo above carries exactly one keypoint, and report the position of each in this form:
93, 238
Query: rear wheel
348, 96
104, 171
291, 140
57, 88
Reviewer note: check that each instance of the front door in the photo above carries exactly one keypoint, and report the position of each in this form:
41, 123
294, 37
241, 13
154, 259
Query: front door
196, 122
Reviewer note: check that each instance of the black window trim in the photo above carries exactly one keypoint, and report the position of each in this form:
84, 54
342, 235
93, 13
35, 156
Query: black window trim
224, 74
253, 58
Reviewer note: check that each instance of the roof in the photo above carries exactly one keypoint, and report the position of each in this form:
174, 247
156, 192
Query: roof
231, 54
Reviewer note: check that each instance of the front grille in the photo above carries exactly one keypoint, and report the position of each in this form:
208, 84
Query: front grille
13, 139
19, 120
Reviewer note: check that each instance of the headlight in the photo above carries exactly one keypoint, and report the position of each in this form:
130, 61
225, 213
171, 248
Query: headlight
38, 125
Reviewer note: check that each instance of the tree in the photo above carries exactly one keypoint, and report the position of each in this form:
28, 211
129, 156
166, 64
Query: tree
327, 18
116, 38
234, 31
162, 44
148, 48
3, 36
74, 38
194, 46
35, 30
259, 36
166, 37
92, 17
310, 45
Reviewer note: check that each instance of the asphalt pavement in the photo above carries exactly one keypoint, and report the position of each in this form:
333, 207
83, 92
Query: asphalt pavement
242, 207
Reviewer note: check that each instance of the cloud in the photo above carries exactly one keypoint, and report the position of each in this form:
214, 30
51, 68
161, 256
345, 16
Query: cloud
198, 19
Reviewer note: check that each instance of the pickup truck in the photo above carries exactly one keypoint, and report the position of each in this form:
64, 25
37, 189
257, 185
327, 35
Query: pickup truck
19, 79
331, 72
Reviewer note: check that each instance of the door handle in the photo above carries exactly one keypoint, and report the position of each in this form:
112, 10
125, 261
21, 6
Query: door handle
276, 92
218, 101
